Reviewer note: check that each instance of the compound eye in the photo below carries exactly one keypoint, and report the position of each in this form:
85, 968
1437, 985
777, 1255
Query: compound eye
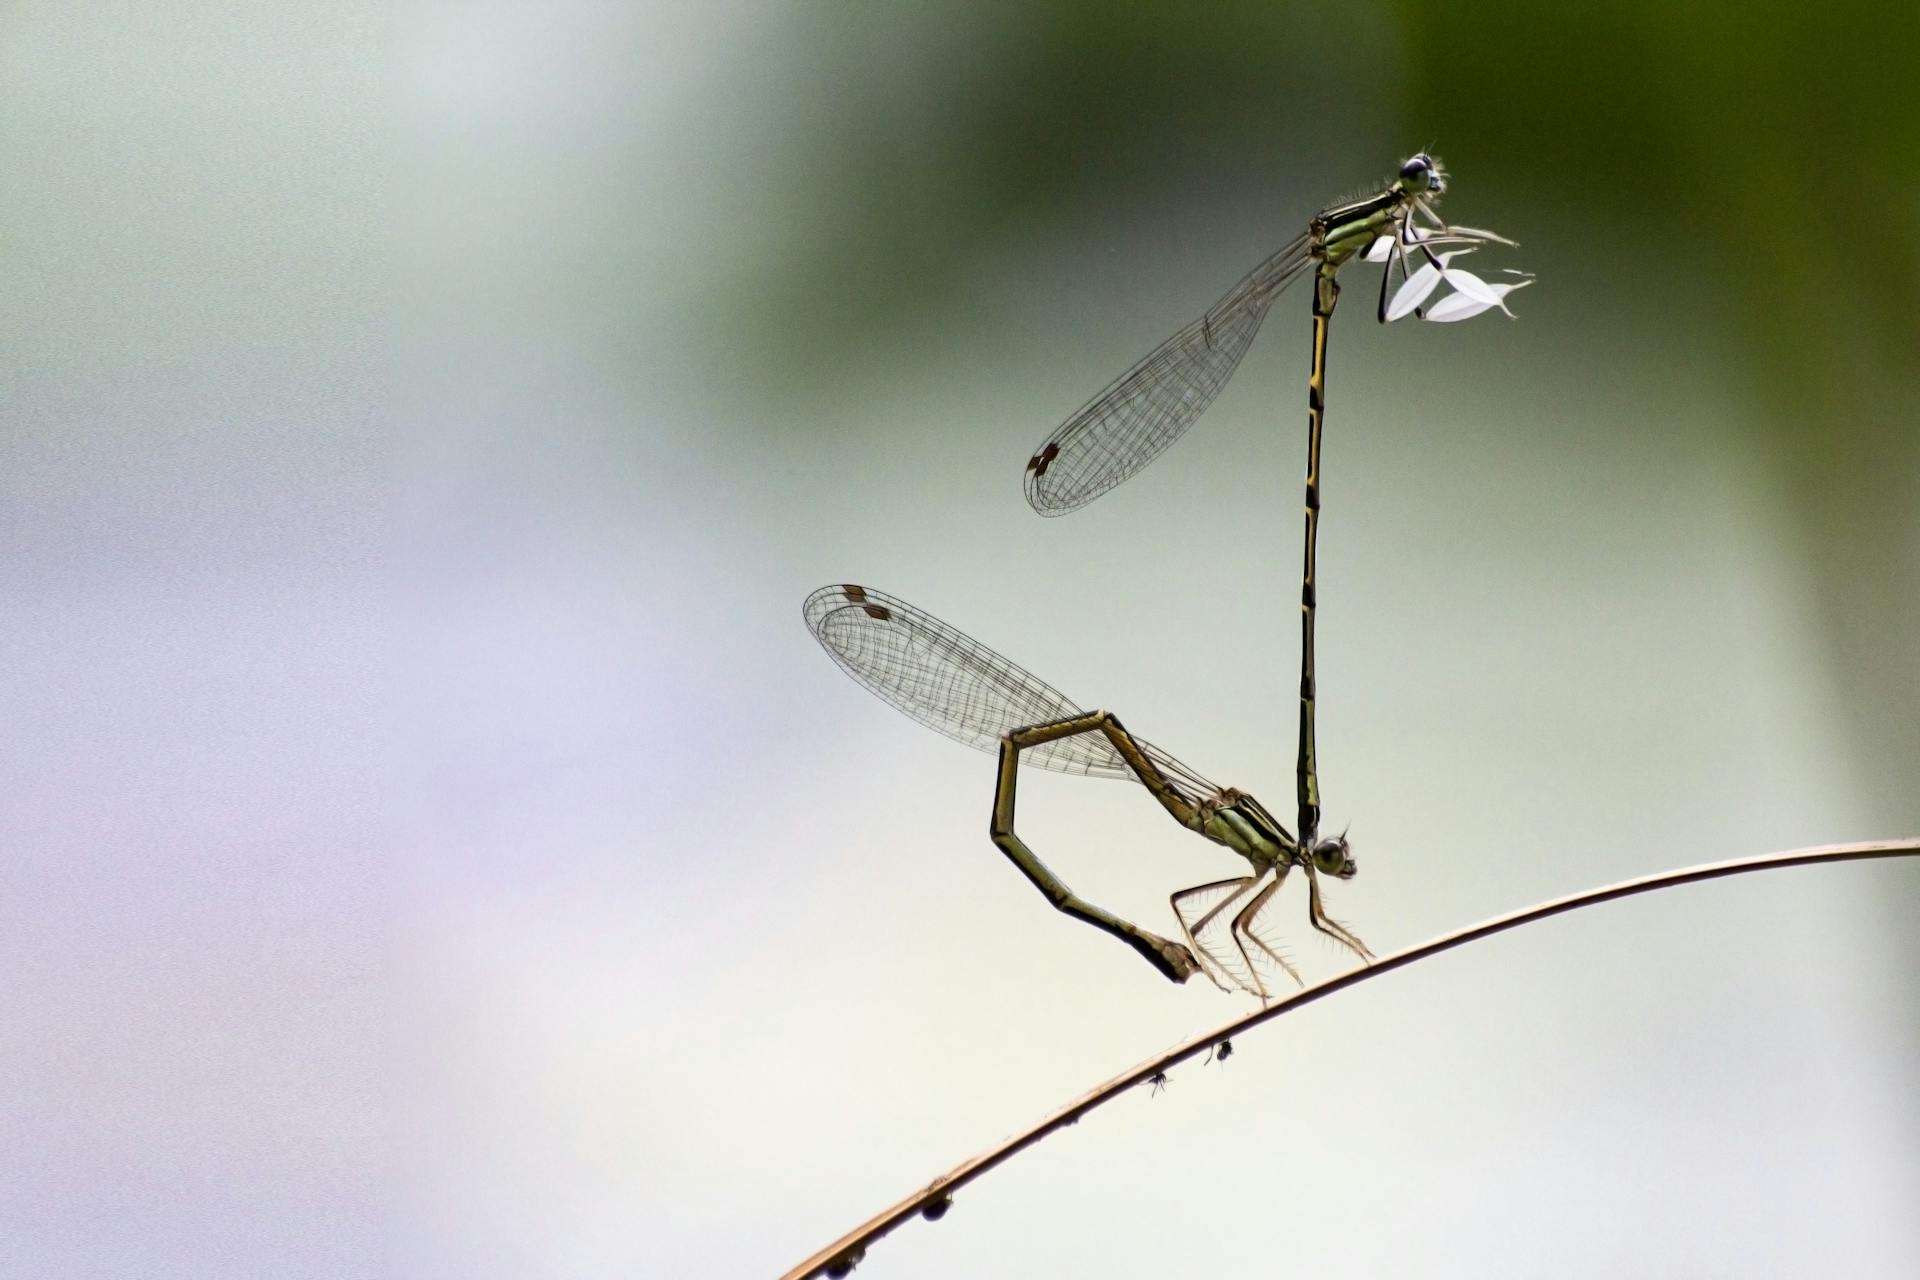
1417, 168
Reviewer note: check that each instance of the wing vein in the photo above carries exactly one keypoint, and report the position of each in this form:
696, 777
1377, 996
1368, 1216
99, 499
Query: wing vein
959, 687
1133, 420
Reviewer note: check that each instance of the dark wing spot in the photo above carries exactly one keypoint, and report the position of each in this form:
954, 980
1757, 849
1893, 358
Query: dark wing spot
879, 613
856, 594
1040, 461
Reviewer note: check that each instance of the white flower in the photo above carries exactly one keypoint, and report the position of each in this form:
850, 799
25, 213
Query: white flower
1470, 294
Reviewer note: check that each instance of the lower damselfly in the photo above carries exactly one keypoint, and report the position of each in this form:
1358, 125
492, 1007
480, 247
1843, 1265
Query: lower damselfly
959, 687
1132, 421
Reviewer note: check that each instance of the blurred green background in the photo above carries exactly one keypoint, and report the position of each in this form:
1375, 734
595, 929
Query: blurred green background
438, 848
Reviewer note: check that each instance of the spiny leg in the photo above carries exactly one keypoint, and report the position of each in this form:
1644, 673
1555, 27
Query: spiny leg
1403, 229
1243, 927
1170, 958
1317, 916
1397, 257
1209, 962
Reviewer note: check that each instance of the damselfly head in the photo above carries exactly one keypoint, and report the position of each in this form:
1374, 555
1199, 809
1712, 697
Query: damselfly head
1334, 856
1422, 175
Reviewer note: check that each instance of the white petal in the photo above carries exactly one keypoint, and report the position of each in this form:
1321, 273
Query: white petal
1461, 306
1415, 291
1456, 306
1473, 287
1379, 251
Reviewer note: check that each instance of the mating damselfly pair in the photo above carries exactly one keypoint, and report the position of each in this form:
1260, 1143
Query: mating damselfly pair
966, 691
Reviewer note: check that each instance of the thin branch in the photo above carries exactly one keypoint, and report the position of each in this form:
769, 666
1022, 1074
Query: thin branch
839, 1258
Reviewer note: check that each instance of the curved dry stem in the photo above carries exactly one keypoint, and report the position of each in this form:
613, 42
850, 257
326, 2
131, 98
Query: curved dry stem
838, 1258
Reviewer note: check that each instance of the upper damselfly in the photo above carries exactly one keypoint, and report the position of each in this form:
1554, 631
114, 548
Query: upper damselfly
959, 687
1130, 423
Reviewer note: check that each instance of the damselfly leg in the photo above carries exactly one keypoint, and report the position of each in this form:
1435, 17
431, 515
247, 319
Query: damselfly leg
1170, 958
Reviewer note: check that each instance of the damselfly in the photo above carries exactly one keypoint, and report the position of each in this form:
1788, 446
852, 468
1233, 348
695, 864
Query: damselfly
1117, 433
959, 687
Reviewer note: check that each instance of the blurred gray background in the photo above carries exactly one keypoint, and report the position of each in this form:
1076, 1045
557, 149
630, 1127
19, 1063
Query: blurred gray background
433, 846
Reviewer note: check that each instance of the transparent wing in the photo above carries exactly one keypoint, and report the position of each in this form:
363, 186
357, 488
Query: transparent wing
957, 686
1132, 421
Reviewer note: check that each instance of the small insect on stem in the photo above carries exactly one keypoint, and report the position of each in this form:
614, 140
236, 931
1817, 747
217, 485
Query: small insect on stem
1223, 1050
1158, 1081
